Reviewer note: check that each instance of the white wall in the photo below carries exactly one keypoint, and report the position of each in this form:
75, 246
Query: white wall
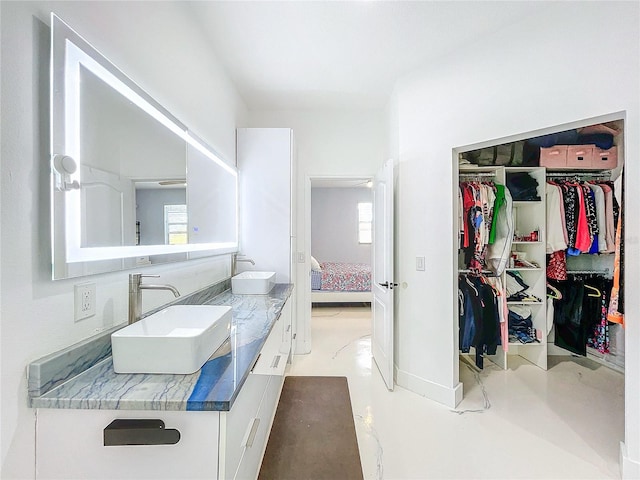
328, 143
334, 225
579, 62
158, 47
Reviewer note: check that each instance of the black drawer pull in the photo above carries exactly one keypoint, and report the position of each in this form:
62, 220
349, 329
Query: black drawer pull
139, 432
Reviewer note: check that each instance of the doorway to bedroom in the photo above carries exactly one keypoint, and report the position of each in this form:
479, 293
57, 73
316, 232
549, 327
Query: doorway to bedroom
340, 215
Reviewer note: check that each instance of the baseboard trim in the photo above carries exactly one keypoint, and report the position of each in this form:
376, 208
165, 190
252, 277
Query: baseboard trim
447, 396
629, 469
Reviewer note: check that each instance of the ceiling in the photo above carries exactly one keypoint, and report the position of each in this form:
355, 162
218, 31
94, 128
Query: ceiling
340, 54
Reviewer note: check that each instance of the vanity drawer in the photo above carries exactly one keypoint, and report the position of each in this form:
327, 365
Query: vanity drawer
271, 360
70, 444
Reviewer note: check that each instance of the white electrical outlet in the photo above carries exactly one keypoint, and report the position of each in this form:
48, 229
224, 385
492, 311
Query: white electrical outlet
420, 264
85, 301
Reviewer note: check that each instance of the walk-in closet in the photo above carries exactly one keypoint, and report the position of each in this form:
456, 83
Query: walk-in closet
540, 243
540, 266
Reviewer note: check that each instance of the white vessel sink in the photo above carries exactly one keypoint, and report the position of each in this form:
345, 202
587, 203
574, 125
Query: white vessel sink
178, 339
253, 283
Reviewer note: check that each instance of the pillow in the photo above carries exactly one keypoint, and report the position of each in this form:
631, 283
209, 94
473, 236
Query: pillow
315, 266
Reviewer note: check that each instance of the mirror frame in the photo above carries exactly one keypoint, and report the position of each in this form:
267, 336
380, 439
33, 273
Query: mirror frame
69, 258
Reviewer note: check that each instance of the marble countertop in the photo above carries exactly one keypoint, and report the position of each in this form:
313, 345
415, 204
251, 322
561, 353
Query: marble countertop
82, 376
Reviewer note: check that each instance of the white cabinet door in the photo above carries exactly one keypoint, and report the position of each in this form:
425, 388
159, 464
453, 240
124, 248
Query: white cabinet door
286, 325
238, 426
271, 360
256, 440
265, 166
69, 444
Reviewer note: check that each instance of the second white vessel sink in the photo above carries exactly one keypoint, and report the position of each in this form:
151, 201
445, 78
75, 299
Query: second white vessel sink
177, 340
253, 283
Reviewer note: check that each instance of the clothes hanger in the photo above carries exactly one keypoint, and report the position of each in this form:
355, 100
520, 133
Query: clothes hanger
555, 293
597, 294
466, 279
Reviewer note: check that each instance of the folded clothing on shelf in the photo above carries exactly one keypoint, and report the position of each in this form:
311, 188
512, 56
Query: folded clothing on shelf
522, 186
520, 325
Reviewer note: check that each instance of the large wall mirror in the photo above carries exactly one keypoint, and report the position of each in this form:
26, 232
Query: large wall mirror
130, 184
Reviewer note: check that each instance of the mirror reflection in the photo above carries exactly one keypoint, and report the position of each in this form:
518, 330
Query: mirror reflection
121, 146
131, 185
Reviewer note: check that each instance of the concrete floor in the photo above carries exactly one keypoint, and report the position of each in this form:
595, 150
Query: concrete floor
524, 422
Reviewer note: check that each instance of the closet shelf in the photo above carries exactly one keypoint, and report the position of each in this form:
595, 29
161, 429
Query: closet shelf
524, 242
530, 269
524, 303
520, 203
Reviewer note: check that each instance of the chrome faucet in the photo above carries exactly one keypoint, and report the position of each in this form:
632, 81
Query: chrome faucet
135, 294
235, 260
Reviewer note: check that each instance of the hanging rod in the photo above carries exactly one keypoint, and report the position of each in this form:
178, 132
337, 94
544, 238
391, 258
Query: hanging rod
486, 273
477, 174
606, 271
580, 174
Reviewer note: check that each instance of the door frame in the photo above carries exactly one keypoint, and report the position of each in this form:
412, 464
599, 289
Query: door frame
630, 350
304, 278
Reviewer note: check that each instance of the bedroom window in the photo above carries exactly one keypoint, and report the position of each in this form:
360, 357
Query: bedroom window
365, 218
175, 224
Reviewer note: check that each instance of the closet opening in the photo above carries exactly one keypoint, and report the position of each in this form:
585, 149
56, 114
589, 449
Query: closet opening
539, 273
339, 231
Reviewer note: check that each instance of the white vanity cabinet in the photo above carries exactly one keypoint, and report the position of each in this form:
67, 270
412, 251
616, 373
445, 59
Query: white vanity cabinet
213, 444
244, 430
69, 444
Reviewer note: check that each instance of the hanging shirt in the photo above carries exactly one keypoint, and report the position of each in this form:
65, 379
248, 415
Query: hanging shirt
503, 311
499, 251
600, 217
497, 205
590, 210
583, 239
555, 220
609, 218
461, 222
467, 202
614, 313
570, 199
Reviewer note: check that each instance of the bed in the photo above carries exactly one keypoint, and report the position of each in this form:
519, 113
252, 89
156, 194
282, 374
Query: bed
338, 282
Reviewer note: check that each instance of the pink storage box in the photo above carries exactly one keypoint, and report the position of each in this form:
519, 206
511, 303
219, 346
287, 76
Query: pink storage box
605, 159
579, 156
554, 157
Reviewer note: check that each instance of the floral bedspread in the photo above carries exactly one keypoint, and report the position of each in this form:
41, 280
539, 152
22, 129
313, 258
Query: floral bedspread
346, 277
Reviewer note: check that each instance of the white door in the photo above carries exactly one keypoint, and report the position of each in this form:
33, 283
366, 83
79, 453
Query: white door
382, 285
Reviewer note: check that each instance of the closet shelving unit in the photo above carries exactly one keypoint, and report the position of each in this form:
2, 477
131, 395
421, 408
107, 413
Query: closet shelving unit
528, 216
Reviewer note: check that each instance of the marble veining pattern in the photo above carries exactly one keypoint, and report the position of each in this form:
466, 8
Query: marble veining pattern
55, 369
214, 387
